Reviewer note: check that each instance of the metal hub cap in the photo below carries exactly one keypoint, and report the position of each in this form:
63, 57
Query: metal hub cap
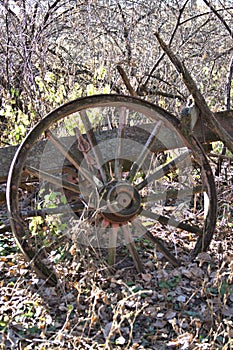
121, 201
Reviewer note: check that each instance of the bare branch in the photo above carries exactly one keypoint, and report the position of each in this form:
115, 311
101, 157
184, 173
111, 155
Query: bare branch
34, 18
143, 91
197, 95
228, 87
170, 41
230, 31
9, 10
126, 81
179, 23
126, 35
142, 17
203, 14
47, 15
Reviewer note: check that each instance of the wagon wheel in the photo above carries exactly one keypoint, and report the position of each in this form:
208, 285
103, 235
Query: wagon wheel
107, 171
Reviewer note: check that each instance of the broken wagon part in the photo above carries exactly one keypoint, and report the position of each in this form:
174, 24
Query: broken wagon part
202, 132
126, 197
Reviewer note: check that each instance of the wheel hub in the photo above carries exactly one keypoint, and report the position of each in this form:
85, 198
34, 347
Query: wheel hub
120, 201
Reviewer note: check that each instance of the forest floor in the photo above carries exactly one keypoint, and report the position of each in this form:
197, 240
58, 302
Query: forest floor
189, 307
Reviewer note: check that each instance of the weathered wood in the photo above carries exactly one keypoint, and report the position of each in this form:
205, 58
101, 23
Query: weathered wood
137, 134
199, 99
2, 196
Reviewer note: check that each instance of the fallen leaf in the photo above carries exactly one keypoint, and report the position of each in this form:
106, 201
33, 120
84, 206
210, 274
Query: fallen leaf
120, 341
170, 314
146, 277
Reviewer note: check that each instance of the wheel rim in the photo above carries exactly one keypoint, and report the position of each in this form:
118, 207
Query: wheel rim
91, 168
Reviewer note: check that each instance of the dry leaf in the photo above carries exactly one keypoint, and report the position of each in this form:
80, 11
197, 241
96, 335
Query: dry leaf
146, 277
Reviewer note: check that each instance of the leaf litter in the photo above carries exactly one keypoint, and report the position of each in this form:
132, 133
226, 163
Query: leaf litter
189, 307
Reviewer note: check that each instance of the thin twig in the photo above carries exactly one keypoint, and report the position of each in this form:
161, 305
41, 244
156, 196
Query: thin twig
170, 41
217, 14
203, 14
228, 85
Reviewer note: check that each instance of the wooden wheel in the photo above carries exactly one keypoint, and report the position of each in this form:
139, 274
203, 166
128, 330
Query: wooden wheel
104, 172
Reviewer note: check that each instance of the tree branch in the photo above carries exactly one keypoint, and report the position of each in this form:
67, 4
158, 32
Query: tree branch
228, 87
9, 10
203, 14
219, 17
197, 95
179, 23
143, 91
230, 31
126, 81
170, 41
126, 34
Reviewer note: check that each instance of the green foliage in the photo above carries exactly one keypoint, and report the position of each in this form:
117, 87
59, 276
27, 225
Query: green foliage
52, 89
52, 199
169, 284
16, 124
218, 148
3, 325
51, 227
93, 90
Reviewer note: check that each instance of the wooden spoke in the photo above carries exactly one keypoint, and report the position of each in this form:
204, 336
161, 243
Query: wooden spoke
161, 246
172, 194
112, 244
94, 146
164, 170
144, 153
61, 209
59, 182
120, 140
73, 160
132, 248
165, 220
